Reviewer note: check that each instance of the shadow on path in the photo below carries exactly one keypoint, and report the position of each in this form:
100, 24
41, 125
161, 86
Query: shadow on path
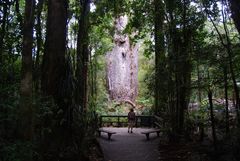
125, 146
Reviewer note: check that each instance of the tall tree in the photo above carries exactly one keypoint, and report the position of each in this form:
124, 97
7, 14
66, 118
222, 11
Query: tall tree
227, 44
26, 110
122, 64
54, 63
56, 77
82, 56
225, 69
182, 24
160, 96
39, 44
212, 118
3, 29
235, 9
183, 69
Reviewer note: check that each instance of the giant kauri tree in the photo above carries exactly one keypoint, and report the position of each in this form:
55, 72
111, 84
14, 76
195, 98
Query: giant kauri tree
122, 65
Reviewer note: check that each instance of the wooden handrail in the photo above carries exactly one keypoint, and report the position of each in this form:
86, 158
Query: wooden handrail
138, 119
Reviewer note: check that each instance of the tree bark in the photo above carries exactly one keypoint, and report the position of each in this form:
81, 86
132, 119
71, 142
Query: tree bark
26, 111
212, 119
3, 30
198, 83
235, 9
19, 16
39, 45
54, 63
226, 99
235, 87
160, 90
186, 66
122, 65
81, 94
56, 80
228, 46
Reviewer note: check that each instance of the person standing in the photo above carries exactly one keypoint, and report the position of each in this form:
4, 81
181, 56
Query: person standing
131, 120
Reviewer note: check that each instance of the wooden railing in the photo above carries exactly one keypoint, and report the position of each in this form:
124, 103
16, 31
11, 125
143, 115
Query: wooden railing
121, 120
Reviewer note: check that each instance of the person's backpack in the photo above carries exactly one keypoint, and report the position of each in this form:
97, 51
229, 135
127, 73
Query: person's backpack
131, 116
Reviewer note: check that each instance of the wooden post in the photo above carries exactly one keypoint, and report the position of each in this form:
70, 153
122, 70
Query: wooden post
136, 121
100, 121
118, 121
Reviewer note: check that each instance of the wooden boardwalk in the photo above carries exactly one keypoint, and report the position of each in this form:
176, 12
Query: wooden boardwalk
125, 146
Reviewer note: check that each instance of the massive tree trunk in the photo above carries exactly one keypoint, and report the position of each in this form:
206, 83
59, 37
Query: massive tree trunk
235, 9
122, 65
56, 79
26, 111
54, 63
82, 56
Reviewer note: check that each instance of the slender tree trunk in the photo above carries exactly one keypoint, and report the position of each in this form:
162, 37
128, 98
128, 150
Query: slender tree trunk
226, 99
198, 83
160, 90
235, 87
26, 110
228, 46
82, 56
212, 119
183, 70
95, 77
92, 84
39, 45
19, 15
3, 30
235, 9
201, 125
173, 87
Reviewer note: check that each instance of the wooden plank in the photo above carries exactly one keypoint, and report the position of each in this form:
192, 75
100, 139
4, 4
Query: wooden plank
157, 124
106, 131
151, 131
119, 119
157, 117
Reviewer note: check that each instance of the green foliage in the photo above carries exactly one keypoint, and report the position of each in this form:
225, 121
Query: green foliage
11, 148
19, 151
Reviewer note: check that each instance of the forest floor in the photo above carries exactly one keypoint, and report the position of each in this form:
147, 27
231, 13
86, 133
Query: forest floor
125, 146
197, 151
